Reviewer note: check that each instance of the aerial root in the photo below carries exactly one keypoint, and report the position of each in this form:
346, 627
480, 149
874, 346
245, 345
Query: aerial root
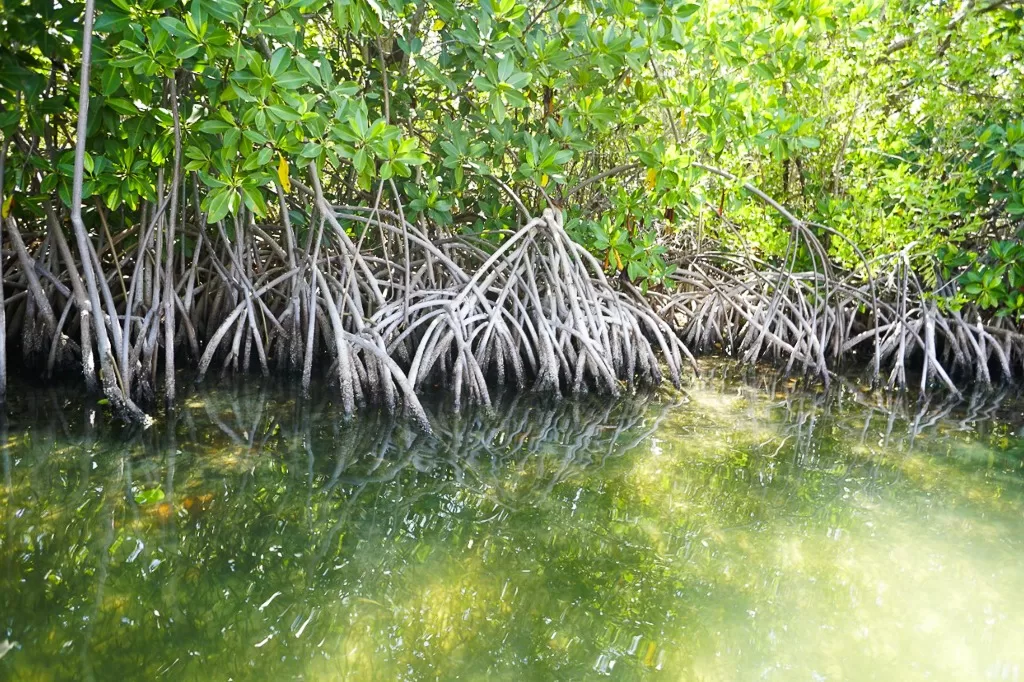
386, 310
818, 324
537, 309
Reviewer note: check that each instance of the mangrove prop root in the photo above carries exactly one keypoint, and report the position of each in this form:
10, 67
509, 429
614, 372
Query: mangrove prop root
389, 311
820, 324
386, 310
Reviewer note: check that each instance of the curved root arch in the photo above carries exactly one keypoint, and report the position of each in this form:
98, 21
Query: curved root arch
396, 313
382, 307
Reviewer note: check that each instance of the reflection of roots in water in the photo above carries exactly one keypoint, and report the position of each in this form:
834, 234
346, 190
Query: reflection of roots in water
509, 457
364, 480
547, 438
254, 420
898, 418
868, 440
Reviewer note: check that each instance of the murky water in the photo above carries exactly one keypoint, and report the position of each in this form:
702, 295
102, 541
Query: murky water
742, 532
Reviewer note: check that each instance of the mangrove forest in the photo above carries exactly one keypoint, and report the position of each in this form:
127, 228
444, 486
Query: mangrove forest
512, 340
561, 196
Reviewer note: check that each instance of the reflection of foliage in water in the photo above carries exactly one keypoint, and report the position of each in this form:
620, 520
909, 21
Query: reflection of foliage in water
253, 536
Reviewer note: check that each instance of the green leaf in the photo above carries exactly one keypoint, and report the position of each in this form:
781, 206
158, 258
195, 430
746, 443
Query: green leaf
434, 73
253, 198
228, 11
214, 127
519, 80
311, 150
123, 106
111, 80
563, 157
175, 27
310, 71
497, 107
290, 80
218, 204
283, 114
280, 61
361, 160
515, 98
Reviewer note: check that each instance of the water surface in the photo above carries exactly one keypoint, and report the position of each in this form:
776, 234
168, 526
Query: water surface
743, 531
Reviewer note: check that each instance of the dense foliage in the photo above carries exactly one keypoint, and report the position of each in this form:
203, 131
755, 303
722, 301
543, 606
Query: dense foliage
900, 127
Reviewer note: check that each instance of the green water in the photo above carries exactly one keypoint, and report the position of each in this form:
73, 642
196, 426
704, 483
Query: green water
741, 532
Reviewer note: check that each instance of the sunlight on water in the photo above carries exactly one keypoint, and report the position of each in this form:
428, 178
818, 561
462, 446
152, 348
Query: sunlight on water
733, 533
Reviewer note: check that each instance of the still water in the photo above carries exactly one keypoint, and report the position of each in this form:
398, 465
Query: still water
744, 530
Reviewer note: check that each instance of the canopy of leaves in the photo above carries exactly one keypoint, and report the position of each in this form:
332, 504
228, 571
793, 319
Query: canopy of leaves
900, 125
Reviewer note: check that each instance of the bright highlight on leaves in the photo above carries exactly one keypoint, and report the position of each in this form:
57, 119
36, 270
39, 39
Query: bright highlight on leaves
652, 178
282, 174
